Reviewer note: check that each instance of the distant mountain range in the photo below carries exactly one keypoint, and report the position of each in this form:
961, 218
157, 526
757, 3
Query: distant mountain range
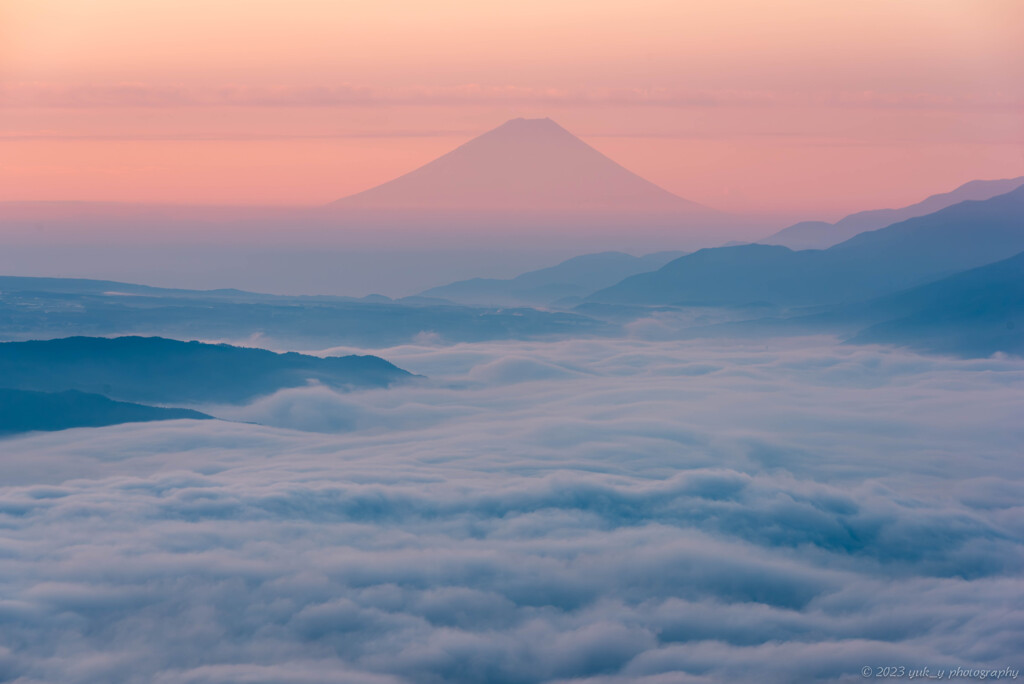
573, 278
907, 283
33, 308
85, 286
822, 235
525, 194
910, 283
26, 411
161, 371
871, 264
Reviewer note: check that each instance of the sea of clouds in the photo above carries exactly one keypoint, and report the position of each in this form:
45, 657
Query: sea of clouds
589, 510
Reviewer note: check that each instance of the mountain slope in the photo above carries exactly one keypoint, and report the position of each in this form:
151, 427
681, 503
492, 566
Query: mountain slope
868, 265
575, 277
158, 370
743, 274
974, 313
531, 165
822, 235
25, 411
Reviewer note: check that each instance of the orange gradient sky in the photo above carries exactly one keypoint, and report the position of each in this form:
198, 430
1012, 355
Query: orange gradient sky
791, 107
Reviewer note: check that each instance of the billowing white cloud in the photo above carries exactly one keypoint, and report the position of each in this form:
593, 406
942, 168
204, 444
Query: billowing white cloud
585, 510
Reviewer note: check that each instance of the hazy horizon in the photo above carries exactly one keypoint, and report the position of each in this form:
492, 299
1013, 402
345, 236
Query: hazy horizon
523, 196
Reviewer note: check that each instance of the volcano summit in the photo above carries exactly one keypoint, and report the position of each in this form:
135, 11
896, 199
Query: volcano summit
524, 165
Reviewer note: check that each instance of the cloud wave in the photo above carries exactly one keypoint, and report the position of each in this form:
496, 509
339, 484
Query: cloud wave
587, 511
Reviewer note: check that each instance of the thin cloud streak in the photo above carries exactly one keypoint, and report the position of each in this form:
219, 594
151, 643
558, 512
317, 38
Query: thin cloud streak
141, 95
199, 137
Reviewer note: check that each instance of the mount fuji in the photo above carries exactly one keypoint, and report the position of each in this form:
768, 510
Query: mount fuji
524, 165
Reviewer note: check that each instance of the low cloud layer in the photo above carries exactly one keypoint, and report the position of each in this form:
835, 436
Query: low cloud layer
589, 510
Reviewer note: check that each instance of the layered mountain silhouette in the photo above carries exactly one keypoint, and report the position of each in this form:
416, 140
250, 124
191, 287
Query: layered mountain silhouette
528, 187
868, 265
524, 165
160, 371
35, 308
26, 411
822, 235
575, 277
974, 313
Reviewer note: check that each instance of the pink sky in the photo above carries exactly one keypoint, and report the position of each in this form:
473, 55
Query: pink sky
793, 106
